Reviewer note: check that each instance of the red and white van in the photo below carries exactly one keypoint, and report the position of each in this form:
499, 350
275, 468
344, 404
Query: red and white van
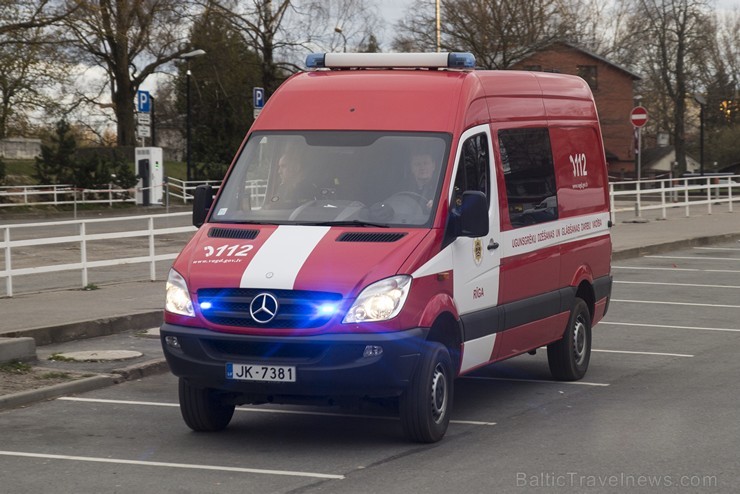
325, 270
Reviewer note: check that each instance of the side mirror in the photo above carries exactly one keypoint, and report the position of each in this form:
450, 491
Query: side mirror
473, 214
202, 200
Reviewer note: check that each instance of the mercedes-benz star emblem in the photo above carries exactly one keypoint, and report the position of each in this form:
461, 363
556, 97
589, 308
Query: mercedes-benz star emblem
263, 308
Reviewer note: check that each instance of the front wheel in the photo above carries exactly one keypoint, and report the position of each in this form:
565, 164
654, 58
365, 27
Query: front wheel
569, 357
203, 409
426, 404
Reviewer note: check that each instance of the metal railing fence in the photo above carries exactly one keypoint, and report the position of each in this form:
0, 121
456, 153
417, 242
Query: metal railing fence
688, 193
82, 237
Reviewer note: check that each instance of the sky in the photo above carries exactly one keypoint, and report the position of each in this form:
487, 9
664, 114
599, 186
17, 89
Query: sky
393, 10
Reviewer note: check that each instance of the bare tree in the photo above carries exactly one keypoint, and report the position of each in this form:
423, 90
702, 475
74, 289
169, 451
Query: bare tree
27, 79
129, 40
340, 25
602, 28
18, 15
728, 34
261, 26
674, 38
281, 32
497, 32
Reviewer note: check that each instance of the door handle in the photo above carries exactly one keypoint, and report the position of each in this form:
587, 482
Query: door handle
492, 245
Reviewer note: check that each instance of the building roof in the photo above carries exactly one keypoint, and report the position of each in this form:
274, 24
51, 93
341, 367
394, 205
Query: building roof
591, 54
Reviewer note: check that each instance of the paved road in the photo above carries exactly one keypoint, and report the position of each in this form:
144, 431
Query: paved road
657, 408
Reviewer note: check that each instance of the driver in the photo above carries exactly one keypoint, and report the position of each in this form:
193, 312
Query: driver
294, 186
423, 180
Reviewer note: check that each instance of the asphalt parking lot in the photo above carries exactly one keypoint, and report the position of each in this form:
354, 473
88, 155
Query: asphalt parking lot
657, 411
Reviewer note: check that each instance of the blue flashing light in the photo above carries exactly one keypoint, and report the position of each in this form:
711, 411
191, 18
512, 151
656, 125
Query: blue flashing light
326, 309
461, 60
315, 60
205, 305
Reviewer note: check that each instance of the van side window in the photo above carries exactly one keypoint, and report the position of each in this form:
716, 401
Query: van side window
529, 173
472, 170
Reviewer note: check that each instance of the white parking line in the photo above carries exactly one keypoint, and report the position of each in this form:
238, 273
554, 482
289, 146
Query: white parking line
694, 258
659, 354
666, 326
258, 410
579, 383
718, 248
693, 285
688, 304
172, 465
643, 268
119, 402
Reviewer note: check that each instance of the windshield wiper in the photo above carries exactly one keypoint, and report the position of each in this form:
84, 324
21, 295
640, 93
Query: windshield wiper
350, 223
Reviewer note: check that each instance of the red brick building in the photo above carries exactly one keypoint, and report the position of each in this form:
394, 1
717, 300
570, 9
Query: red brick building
613, 91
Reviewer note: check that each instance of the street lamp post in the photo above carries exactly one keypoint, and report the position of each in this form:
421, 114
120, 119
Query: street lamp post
439, 27
339, 31
188, 56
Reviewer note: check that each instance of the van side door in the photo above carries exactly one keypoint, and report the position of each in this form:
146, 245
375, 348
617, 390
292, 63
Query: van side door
476, 261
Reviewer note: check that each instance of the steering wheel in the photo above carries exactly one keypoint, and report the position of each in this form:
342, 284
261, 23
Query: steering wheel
297, 211
408, 203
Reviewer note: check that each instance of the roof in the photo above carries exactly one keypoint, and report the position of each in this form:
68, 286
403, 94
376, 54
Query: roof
420, 100
591, 54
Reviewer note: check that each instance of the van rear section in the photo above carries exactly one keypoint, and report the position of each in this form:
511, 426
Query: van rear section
391, 222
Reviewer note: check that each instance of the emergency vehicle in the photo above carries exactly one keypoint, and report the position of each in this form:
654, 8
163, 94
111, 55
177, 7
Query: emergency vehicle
320, 273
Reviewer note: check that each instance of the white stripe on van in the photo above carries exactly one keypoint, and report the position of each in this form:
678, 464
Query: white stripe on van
477, 352
543, 235
277, 263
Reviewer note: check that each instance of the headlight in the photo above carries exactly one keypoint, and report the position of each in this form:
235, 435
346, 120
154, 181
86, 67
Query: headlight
380, 301
178, 298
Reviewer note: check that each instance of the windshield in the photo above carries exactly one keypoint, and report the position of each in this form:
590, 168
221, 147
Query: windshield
331, 177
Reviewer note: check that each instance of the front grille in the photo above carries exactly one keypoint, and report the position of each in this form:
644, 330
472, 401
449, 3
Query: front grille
296, 308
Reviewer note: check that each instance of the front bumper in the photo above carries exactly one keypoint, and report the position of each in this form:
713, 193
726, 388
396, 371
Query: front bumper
330, 365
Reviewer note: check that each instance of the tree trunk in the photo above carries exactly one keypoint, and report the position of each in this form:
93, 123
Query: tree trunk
123, 99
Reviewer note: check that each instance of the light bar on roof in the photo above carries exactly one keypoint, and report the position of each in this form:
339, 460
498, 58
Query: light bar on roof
390, 60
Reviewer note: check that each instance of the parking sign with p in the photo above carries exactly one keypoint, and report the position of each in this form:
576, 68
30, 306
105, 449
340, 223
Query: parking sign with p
258, 99
143, 102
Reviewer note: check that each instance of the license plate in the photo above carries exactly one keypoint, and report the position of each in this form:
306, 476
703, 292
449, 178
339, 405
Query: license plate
265, 373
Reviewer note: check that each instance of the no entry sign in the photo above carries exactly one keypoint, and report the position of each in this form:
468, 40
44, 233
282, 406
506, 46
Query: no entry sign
638, 116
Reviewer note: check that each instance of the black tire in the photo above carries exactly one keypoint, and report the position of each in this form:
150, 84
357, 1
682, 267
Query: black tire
426, 404
569, 357
202, 408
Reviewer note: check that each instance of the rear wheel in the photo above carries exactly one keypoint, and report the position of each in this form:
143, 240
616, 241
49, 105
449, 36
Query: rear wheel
426, 405
203, 409
569, 357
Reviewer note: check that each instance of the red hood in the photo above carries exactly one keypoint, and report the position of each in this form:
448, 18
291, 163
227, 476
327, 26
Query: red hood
337, 259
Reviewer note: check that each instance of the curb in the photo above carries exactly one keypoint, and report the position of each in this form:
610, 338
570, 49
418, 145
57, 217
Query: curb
117, 376
90, 329
145, 369
79, 386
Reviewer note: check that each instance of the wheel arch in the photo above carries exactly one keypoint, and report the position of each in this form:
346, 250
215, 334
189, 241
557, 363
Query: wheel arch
446, 330
585, 292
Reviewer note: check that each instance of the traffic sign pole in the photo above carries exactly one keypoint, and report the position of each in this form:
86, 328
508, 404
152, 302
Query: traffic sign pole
639, 117
639, 155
